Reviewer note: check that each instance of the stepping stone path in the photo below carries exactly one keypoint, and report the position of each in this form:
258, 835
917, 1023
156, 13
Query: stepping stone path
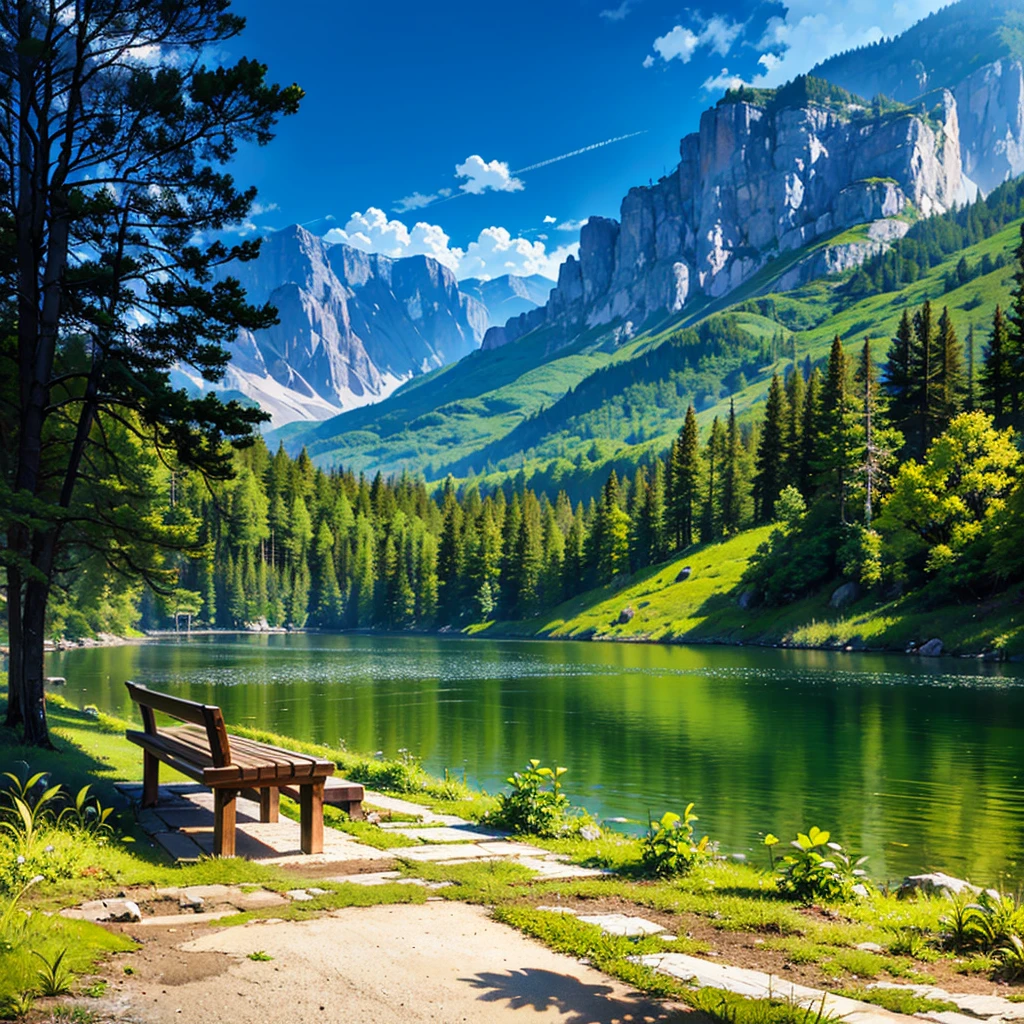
973, 1007
182, 824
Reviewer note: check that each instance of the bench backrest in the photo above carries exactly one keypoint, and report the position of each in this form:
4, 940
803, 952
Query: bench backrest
207, 715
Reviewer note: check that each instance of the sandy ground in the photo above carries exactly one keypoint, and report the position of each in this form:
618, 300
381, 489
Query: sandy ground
440, 962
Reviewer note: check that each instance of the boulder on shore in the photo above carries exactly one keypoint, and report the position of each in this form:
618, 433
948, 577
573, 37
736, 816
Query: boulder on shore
684, 574
626, 615
936, 883
844, 595
930, 648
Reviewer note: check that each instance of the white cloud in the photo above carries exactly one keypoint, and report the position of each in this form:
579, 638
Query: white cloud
494, 253
373, 232
258, 209
716, 34
722, 81
482, 176
811, 31
549, 219
571, 225
617, 13
414, 202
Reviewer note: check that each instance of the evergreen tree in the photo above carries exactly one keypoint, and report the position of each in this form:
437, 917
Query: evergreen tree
993, 382
952, 386
926, 369
612, 527
450, 557
732, 477
711, 519
684, 481
836, 449
771, 453
795, 391
1014, 360
811, 434
898, 378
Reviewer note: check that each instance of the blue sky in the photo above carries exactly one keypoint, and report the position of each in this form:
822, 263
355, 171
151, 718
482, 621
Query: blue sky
407, 101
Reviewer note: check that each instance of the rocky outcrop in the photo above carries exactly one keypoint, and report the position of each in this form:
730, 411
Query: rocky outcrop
754, 182
990, 104
508, 296
351, 325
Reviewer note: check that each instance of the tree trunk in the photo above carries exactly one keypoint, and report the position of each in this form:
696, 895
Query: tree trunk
16, 659
34, 726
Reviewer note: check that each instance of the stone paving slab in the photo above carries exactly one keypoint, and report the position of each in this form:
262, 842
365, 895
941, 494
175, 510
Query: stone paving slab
555, 869
178, 845
758, 985
460, 853
432, 820
395, 805
972, 1004
448, 833
622, 924
178, 920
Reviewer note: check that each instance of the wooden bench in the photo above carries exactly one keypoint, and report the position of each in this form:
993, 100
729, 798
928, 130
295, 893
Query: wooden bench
230, 765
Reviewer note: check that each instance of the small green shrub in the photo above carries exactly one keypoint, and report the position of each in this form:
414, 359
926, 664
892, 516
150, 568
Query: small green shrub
669, 848
15, 1006
995, 920
536, 805
260, 956
819, 869
1011, 957
907, 941
54, 976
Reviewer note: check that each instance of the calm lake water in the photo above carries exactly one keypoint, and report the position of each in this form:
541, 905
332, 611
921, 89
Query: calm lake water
918, 763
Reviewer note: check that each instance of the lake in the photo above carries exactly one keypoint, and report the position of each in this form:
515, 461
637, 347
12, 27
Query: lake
917, 762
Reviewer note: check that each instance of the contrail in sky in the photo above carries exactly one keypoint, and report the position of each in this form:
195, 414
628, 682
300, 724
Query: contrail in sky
577, 152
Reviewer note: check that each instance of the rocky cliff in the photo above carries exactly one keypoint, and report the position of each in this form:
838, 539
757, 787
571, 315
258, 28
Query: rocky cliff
352, 326
508, 296
758, 180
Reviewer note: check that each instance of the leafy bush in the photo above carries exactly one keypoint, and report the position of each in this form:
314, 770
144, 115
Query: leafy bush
669, 848
819, 869
536, 806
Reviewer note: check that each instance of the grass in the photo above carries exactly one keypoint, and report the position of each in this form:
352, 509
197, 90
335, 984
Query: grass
705, 609
898, 1000
724, 898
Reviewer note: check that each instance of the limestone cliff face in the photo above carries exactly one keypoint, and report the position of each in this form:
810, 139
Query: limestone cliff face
990, 104
351, 325
752, 183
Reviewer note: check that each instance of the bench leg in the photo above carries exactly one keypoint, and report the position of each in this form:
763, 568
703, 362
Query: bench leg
150, 779
355, 810
224, 822
311, 815
270, 799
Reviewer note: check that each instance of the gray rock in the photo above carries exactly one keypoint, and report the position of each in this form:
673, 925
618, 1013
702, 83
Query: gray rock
930, 648
747, 599
106, 910
936, 882
844, 595
626, 615
684, 574
869, 947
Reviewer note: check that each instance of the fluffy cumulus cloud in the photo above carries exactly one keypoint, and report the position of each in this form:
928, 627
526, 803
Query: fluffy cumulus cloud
572, 225
483, 176
372, 231
494, 253
717, 34
549, 219
722, 81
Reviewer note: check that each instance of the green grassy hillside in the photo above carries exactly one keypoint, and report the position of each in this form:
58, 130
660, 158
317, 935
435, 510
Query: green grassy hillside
705, 608
566, 416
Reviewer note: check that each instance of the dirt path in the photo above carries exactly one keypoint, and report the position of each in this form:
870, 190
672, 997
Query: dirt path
441, 962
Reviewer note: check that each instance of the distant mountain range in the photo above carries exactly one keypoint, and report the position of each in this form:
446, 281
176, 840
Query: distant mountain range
354, 326
744, 251
508, 296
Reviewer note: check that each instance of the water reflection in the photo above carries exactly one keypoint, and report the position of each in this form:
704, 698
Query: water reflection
916, 762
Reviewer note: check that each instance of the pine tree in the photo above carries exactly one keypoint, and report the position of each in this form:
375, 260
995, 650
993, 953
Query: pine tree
509, 581
993, 382
684, 481
613, 533
450, 558
528, 555
795, 391
926, 368
1014, 360
574, 563
711, 519
898, 378
732, 481
951, 384
811, 433
836, 453
970, 400
771, 453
